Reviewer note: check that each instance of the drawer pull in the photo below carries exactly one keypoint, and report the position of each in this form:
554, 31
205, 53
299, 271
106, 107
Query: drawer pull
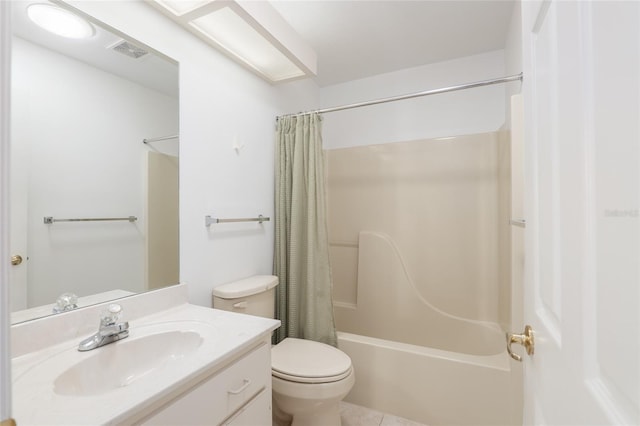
245, 384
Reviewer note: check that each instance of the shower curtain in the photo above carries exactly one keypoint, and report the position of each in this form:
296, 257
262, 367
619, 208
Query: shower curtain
301, 259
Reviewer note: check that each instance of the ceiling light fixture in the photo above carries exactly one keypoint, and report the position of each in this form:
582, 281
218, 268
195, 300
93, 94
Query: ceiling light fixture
59, 21
252, 33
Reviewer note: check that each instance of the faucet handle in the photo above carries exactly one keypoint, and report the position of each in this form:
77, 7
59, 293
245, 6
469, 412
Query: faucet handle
66, 302
111, 315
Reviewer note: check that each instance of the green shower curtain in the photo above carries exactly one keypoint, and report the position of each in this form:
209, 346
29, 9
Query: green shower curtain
301, 258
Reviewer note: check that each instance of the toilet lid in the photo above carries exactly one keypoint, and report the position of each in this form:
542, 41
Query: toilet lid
306, 361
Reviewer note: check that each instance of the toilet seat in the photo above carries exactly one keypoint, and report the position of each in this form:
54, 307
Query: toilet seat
306, 361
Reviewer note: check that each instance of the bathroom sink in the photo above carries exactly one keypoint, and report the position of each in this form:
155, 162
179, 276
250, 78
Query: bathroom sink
120, 364
168, 351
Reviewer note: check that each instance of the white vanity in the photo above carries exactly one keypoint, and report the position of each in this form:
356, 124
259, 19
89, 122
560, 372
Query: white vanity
181, 365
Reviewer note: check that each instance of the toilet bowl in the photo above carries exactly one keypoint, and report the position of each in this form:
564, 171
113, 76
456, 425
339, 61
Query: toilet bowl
309, 379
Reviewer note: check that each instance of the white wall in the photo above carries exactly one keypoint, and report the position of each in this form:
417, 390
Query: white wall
83, 129
220, 102
513, 56
465, 112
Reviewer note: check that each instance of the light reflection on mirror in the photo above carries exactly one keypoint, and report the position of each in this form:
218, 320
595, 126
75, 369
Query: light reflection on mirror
80, 112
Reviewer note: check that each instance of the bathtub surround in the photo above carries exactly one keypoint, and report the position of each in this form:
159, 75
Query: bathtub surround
416, 241
422, 216
440, 164
163, 223
301, 261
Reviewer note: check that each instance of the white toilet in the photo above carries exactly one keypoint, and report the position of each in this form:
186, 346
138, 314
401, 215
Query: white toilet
309, 378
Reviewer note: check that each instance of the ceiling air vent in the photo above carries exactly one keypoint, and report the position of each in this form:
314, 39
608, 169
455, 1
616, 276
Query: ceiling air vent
129, 49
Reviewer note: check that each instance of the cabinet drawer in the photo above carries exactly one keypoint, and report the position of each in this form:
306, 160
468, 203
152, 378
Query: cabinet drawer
241, 381
256, 412
221, 395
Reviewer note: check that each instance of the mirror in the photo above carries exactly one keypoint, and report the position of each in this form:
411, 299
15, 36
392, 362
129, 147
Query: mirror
81, 109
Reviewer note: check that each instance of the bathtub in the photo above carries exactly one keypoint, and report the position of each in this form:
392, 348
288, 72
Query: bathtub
433, 386
416, 361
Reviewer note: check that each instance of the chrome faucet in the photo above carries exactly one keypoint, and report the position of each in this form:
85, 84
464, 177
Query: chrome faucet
66, 302
110, 330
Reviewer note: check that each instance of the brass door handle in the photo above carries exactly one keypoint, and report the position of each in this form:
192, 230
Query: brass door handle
16, 259
525, 339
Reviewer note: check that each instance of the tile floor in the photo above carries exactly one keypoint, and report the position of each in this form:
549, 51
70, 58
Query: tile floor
355, 415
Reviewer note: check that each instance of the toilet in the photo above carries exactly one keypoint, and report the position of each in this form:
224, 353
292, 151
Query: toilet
309, 379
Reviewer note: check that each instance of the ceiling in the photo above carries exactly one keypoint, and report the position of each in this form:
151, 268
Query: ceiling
360, 38
353, 38
153, 70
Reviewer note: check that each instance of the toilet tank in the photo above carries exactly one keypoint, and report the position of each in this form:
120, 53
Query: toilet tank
254, 296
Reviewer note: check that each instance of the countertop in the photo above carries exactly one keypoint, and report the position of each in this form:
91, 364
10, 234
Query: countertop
226, 336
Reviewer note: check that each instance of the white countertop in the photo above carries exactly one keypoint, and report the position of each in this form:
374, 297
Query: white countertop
226, 335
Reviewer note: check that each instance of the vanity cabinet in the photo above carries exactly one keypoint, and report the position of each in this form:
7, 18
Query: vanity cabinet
156, 376
240, 394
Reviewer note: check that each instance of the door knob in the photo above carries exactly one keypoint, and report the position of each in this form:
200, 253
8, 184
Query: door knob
525, 339
16, 259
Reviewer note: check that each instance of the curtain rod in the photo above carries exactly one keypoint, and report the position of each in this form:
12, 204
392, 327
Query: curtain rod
164, 138
516, 77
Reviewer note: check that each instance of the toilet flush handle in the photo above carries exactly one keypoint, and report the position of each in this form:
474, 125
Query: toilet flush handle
240, 305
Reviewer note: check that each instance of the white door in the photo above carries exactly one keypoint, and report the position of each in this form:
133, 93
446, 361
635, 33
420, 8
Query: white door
18, 212
582, 190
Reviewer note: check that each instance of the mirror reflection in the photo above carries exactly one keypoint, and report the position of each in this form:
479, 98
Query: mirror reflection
81, 108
